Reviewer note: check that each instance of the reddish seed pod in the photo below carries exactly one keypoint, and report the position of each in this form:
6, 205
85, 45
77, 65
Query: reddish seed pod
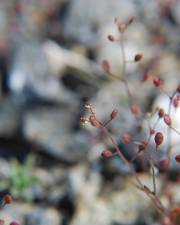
158, 138
167, 119
164, 163
106, 66
111, 38
106, 154
2, 222
151, 131
122, 27
161, 112
138, 57
14, 223
127, 139
7, 199
176, 102
114, 114
135, 109
93, 121
157, 81
177, 158
178, 88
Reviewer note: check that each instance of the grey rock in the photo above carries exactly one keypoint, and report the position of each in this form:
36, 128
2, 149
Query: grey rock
52, 128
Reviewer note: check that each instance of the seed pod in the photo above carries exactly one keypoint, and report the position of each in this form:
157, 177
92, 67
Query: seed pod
178, 88
7, 199
111, 38
138, 57
122, 27
157, 81
151, 131
164, 163
167, 119
127, 139
114, 114
2, 222
106, 66
161, 113
135, 109
14, 223
106, 153
158, 138
177, 158
93, 121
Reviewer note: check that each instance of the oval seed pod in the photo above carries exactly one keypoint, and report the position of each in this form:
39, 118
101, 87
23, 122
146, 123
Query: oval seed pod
106, 153
111, 38
167, 119
161, 113
114, 114
138, 57
106, 66
158, 138
157, 81
177, 158
7, 199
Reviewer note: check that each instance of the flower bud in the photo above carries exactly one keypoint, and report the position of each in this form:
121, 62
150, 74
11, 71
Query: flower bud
164, 163
157, 81
106, 153
177, 158
127, 139
7, 199
122, 27
135, 109
114, 114
158, 138
167, 119
161, 113
106, 66
138, 57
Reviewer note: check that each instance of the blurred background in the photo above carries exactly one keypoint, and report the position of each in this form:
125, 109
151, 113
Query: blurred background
50, 64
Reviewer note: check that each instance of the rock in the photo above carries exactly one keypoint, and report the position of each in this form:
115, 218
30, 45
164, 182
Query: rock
10, 117
121, 207
31, 76
52, 128
30, 214
85, 18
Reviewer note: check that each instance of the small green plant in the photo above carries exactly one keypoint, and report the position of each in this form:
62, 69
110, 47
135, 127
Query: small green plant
22, 179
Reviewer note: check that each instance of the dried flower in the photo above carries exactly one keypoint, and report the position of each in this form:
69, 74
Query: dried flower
93, 121
158, 138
